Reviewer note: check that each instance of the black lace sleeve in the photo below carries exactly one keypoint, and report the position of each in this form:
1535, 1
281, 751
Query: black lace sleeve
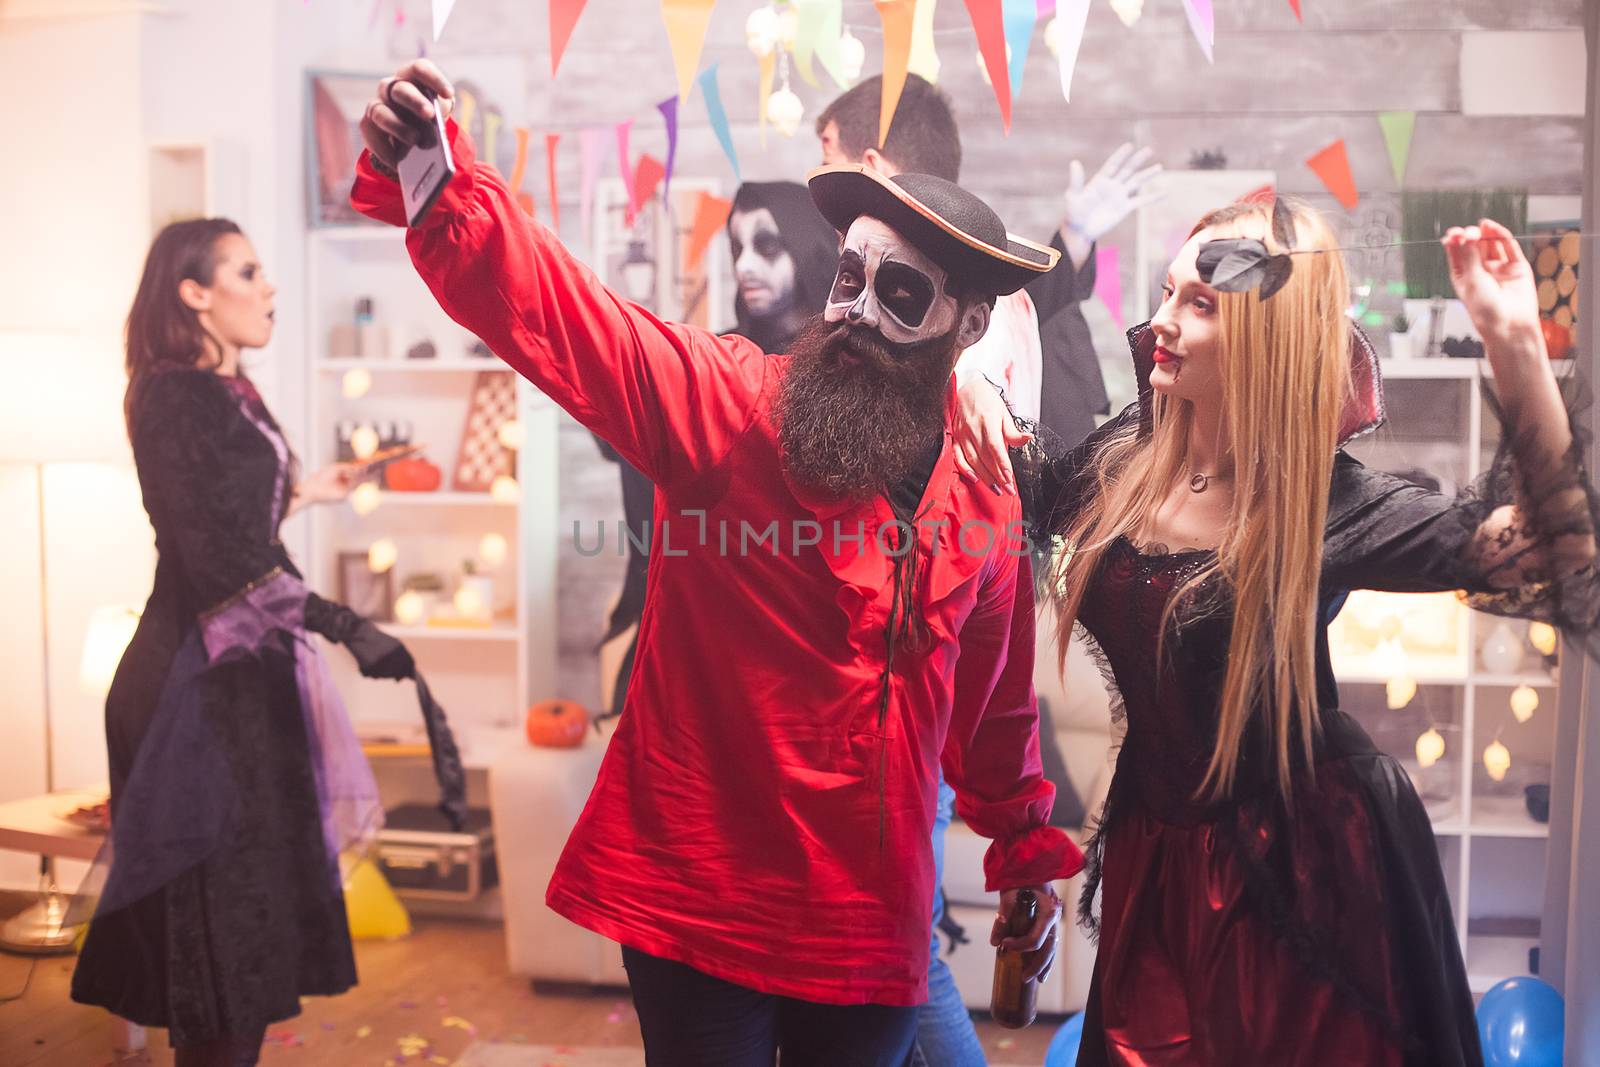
1052, 480
189, 443
1519, 541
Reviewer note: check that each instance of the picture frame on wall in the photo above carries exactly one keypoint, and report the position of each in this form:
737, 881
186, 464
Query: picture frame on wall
368, 595
335, 101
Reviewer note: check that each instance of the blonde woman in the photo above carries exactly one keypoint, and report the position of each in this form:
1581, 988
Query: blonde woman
1270, 887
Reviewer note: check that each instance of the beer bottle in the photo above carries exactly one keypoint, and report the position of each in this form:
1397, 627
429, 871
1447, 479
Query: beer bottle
1012, 1002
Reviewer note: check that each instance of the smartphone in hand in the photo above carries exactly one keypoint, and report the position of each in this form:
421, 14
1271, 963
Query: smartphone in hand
426, 168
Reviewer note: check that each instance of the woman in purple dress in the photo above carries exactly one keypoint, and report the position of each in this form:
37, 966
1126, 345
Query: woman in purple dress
236, 778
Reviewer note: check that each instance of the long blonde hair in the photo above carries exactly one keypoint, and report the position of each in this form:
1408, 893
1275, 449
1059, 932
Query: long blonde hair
1285, 368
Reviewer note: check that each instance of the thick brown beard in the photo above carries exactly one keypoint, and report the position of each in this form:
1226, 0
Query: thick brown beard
853, 426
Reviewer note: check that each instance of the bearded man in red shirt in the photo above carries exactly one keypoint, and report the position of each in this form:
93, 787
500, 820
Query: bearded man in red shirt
833, 612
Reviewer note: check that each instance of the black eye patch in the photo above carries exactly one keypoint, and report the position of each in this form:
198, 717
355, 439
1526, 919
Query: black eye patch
906, 293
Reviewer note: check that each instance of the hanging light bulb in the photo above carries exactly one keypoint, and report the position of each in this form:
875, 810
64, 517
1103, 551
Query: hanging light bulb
784, 111
356, 383
1430, 746
1524, 702
365, 498
1128, 10
852, 56
761, 31
1400, 691
510, 434
382, 555
1497, 761
1542, 636
505, 490
788, 27
408, 607
493, 549
1052, 36
364, 441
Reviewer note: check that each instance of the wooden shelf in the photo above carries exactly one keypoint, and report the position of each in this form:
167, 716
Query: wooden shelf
441, 499
413, 366
1448, 368
1504, 817
1491, 960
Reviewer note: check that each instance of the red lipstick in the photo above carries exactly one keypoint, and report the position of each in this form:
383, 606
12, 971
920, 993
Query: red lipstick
1161, 356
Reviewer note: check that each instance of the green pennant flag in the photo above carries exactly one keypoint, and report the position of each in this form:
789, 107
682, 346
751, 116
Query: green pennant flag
1397, 129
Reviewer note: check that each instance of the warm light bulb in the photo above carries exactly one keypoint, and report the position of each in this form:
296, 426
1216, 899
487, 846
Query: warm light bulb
364, 442
1524, 702
493, 549
382, 555
784, 111
1542, 636
1430, 746
505, 490
852, 56
408, 607
365, 498
1128, 10
469, 602
357, 382
1052, 36
1400, 691
788, 27
761, 31
1497, 761
510, 434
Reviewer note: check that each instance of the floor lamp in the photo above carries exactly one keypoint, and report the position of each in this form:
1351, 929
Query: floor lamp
56, 411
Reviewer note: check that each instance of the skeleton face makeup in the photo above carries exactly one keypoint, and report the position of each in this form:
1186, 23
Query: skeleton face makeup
885, 284
761, 264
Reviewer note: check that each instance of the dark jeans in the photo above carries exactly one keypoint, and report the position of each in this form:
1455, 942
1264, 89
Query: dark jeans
690, 1019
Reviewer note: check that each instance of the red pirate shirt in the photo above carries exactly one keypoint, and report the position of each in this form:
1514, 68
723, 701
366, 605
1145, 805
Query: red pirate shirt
759, 815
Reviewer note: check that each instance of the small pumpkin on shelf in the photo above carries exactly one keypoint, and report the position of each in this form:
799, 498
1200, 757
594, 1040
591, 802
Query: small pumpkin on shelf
557, 724
414, 475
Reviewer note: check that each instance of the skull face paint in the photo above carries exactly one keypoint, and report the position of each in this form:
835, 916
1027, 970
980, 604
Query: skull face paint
885, 284
761, 264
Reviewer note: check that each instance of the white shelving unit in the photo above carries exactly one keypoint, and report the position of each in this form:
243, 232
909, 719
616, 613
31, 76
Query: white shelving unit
484, 676
1493, 851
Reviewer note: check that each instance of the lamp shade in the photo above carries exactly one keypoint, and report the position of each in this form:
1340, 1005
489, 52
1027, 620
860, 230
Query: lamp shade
63, 399
110, 630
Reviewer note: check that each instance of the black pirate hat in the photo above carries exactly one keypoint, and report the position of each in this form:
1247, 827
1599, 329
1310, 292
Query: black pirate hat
948, 224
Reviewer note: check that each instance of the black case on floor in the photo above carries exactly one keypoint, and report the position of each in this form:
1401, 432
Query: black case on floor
424, 859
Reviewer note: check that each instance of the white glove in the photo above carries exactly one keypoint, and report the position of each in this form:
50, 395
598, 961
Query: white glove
1095, 206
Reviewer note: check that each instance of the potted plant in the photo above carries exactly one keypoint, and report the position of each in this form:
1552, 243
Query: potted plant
1400, 346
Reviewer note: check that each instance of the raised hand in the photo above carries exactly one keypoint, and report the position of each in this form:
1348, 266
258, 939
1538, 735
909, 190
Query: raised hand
1493, 279
401, 113
1114, 193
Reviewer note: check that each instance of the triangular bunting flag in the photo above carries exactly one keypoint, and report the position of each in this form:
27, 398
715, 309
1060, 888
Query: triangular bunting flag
563, 17
519, 169
809, 16
1108, 280
646, 177
828, 38
1070, 20
1046, 9
1203, 22
1296, 5
1018, 18
686, 21
988, 22
924, 60
441, 15
550, 142
669, 115
710, 215
896, 16
1398, 126
1332, 165
718, 116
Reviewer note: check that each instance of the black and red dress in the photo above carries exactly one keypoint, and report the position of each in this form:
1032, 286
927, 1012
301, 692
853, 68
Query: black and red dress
1253, 931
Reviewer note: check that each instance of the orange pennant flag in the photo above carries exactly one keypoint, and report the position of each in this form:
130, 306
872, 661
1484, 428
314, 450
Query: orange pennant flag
687, 21
520, 167
897, 17
710, 215
646, 177
550, 142
563, 17
988, 22
1332, 165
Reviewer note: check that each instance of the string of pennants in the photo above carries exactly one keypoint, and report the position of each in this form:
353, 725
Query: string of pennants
1003, 29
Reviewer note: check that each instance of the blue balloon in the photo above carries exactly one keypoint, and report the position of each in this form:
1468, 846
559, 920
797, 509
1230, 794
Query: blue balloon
1063, 1050
1520, 1024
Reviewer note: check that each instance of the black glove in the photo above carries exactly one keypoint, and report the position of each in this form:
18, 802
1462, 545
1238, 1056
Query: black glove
376, 653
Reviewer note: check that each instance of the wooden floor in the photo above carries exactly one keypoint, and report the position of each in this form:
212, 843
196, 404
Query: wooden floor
444, 983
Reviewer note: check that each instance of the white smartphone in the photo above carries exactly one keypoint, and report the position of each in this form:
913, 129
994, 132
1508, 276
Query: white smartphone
426, 168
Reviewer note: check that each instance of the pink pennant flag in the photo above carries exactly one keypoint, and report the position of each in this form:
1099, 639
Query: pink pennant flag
550, 142
1046, 9
624, 166
563, 17
1296, 5
1108, 281
591, 156
669, 114
1203, 21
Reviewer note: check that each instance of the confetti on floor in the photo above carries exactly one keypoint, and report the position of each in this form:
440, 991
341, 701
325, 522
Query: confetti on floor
363, 1031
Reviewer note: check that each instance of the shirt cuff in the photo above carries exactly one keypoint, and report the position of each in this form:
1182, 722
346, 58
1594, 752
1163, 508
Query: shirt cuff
1035, 857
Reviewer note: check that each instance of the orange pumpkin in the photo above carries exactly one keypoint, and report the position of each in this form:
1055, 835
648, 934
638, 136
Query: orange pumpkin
557, 724
1557, 338
415, 475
